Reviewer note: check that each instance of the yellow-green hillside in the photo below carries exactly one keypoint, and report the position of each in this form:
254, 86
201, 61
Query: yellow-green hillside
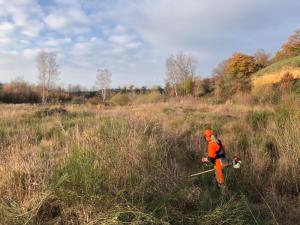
274, 72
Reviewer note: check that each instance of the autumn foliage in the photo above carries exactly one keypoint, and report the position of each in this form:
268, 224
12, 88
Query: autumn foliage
291, 48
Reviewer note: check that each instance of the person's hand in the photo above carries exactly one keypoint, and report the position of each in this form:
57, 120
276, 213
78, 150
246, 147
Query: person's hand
204, 159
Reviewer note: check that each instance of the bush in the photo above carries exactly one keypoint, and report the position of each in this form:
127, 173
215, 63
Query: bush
19, 92
50, 112
152, 97
120, 99
78, 100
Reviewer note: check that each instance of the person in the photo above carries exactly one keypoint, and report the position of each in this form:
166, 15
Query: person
217, 156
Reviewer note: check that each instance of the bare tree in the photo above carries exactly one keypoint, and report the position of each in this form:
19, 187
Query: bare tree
48, 69
180, 68
262, 58
103, 81
53, 70
41, 61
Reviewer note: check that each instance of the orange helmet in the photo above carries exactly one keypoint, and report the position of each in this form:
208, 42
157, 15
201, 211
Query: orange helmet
208, 133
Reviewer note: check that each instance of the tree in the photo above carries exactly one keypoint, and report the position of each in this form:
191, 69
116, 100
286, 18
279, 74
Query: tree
262, 58
53, 70
291, 48
238, 69
103, 81
131, 89
48, 70
219, 77
179, 69
144, 90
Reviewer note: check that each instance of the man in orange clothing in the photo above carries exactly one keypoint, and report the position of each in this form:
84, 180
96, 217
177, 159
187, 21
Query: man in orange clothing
216, 155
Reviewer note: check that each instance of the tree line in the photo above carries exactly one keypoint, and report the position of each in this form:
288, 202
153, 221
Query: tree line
230, 77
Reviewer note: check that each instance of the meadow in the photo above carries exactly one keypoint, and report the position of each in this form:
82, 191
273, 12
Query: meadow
86, 164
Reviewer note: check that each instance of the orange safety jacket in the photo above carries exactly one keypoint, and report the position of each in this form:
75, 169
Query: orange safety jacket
215, 151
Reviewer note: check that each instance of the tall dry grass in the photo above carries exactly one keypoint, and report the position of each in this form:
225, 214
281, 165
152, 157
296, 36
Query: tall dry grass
276, 76
128, 165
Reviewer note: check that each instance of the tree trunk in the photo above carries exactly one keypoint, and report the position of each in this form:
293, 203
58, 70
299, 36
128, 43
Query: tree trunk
103, 95
175, 89
43, 95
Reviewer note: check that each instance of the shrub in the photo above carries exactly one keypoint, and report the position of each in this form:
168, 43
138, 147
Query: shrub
287, 81
120, 99
50, 112
78, 100
152, 97
19, 92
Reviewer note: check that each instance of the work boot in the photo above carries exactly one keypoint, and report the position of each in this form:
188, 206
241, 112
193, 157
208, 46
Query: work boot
223, 188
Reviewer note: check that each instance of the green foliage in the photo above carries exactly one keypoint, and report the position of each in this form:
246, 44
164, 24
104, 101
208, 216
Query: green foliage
81, 171
188, 85
290, 62
233, 211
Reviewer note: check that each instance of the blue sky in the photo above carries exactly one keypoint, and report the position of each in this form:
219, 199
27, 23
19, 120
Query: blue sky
132, 38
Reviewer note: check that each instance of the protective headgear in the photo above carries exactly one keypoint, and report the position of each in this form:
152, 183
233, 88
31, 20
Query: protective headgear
208, 133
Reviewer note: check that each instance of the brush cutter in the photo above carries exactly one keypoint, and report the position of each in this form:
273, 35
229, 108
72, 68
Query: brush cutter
207, 171
236, 164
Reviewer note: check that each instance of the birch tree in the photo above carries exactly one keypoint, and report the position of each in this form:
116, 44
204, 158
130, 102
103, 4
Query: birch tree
48, 70
41, 62
103, 81
179, 69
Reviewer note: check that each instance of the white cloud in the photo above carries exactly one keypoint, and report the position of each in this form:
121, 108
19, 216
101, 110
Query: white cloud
120, 29
133, 38
30, 53
14, 65
7, 27
23, 17
121, 39
5, 41
133, 45
68, 20
56, 42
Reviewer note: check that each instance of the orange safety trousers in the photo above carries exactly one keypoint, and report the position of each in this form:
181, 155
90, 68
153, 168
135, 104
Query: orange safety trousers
219, 171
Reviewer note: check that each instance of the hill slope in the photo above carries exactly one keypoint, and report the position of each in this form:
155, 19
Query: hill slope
274, 72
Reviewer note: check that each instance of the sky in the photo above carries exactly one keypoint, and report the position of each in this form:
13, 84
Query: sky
133, 38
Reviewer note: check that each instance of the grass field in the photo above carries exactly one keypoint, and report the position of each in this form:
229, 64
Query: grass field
129, 165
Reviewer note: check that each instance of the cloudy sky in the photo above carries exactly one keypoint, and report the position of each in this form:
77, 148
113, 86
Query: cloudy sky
132, 38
